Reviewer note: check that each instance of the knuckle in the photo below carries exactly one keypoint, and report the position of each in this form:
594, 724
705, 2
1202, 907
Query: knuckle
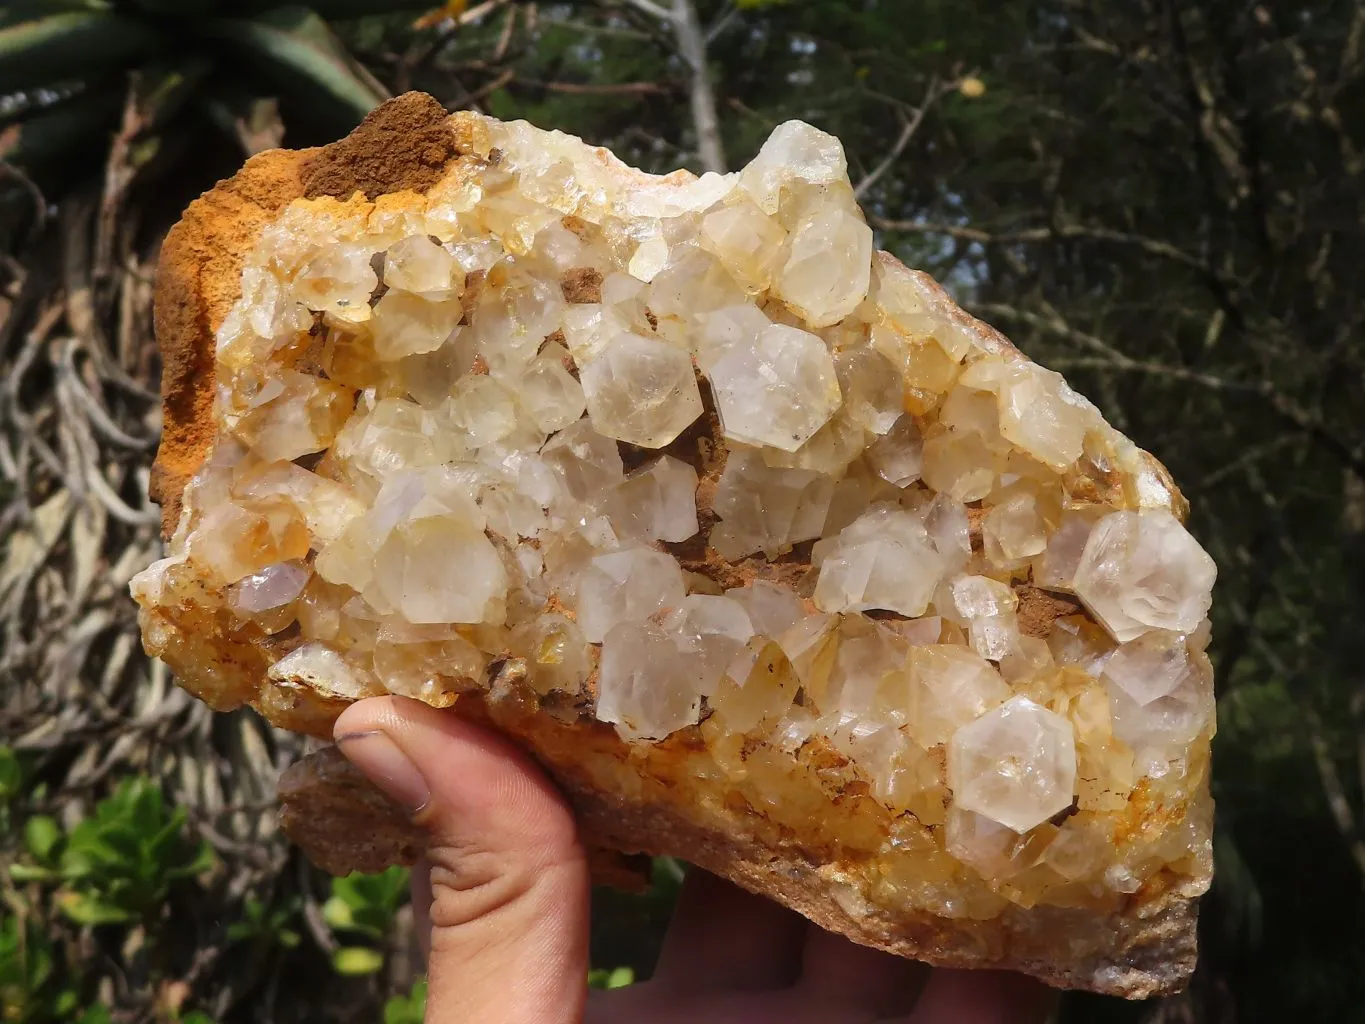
469, 884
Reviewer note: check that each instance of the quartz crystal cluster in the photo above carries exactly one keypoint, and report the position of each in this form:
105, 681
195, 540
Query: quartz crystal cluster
686, 457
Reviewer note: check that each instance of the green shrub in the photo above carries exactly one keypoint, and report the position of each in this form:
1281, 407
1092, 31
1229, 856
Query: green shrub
364, 906
118, 865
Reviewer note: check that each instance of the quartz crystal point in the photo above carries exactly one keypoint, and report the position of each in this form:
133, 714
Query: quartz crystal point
773, 557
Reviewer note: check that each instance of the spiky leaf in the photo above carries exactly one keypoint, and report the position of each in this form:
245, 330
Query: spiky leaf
293, 50
63, 47
47, 137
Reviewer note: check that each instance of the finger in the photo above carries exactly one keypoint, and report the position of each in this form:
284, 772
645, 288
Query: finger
509, 879
724, 937
843, 973
982, 997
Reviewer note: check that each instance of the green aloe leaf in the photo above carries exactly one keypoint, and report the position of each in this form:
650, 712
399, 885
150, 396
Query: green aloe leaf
62, 47
294, 51
15, 11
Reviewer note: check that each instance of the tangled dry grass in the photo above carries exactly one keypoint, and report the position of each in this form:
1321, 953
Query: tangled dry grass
79, 424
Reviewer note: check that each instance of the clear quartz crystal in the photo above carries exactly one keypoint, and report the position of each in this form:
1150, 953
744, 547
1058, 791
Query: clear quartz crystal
1013, 532
586, 463
987, 608
407, 325
778, 391
417, 264
641, 391
645, 684
827, 270
765, 509
1015, 765
270, 588
772, 609
871, 389
1149, 667
626, 586
656, 502
950, 686
338, 280
885, 560
898, 455
549, 393
685, 454
745, 240
1143, 570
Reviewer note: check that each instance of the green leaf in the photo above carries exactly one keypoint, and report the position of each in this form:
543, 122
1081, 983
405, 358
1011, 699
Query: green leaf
11, 775
32, 873
41, 836
618, 977
62, 47
356, 960
409, 1009
337, 913
294, 51
97, 1014
64, 1003
85, 909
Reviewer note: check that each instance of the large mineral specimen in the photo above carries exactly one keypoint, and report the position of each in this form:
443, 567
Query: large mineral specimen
776, 559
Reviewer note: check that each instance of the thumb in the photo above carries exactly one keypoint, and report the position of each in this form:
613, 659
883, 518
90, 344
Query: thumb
509, 878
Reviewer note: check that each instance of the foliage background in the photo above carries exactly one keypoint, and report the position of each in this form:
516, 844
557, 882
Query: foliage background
1162, 199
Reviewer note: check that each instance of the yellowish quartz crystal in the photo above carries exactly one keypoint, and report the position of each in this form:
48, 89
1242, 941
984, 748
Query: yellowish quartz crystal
686, 456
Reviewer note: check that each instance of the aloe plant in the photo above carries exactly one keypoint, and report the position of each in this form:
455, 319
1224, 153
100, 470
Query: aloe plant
66, 67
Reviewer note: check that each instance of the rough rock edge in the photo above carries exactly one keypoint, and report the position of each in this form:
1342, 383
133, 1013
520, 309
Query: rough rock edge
343, 824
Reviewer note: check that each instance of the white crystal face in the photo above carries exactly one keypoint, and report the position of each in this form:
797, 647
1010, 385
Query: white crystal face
1015, 765
685, 456
641, 391
778, 390
1143, 570
769, 510
828, 267
883, 560
626, 586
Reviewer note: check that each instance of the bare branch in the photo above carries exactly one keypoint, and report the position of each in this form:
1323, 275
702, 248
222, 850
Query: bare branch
1111, 358
650, 8
599, 89
725, 20
911, 126
1335, 792
1154, 246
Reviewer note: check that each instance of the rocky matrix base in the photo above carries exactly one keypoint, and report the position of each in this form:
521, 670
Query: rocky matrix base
778, 560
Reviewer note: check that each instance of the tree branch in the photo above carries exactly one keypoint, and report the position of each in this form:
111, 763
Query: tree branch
692, 47
651, 8
1337, 800
911, 126
1113, 359
1154, 246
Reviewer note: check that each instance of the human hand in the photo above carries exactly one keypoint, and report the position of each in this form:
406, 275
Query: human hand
502, 898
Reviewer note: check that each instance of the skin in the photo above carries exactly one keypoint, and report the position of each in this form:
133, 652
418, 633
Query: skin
502, 904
